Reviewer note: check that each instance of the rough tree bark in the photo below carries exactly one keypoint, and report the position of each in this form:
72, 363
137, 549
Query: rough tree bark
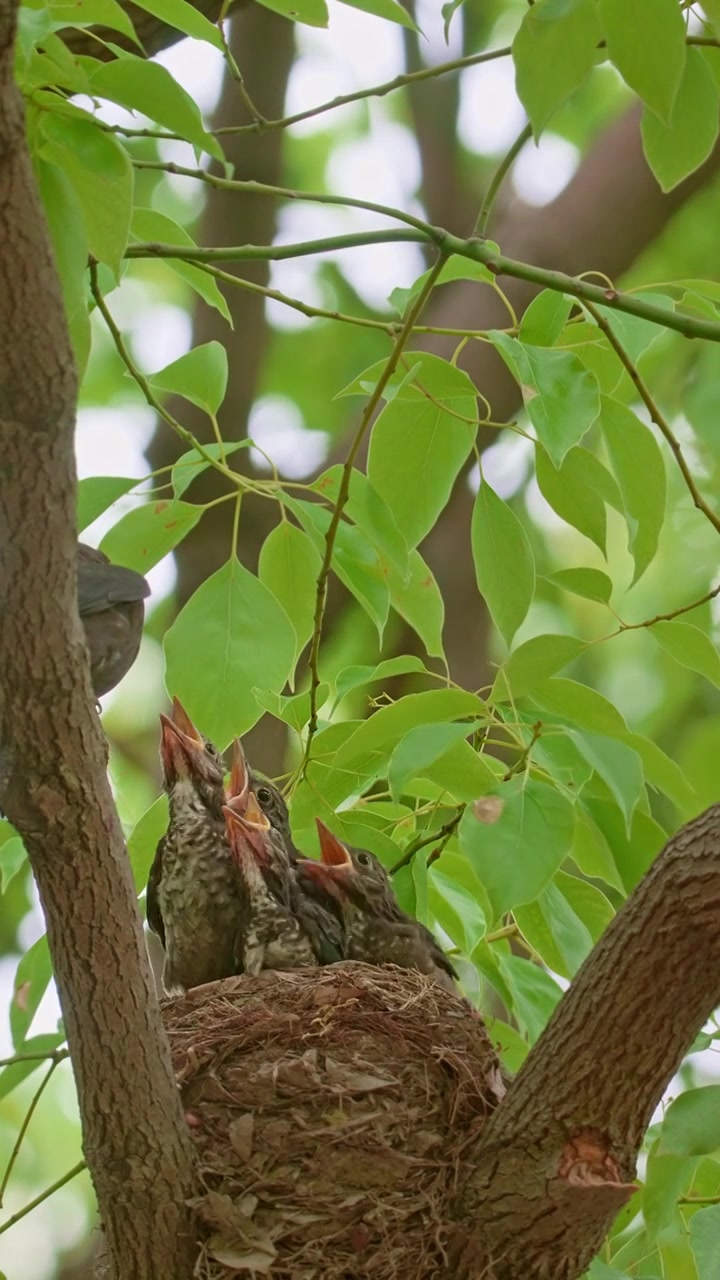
558, 1156
53, 783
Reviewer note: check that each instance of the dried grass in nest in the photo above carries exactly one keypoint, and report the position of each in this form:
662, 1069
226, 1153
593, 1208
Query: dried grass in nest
331, 1110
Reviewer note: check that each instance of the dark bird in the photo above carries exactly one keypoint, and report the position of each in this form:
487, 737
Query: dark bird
110, 603
194, 895
269, 936
354, 883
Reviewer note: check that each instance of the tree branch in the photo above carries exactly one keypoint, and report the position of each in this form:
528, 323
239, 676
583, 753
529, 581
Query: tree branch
53, 783
448, 244
558, 1156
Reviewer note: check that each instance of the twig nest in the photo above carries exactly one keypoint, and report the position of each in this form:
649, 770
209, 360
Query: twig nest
331, 1110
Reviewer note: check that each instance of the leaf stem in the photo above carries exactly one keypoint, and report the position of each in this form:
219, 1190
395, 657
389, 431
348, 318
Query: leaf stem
498, 177
656, 416
44, 1195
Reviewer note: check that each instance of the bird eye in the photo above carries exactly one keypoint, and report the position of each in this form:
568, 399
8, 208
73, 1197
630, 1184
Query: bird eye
264, 795
212, 751
364, 859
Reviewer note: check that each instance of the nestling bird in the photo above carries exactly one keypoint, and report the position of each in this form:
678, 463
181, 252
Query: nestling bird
269, 935
194, 895
355, 884
282, 895
244, 780
110, 604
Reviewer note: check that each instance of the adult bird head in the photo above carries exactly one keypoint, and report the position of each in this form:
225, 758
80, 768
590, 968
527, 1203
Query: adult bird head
187, 756
248, 831
111, 607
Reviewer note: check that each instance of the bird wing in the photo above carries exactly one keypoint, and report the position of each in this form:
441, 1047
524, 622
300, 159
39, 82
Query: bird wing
152, 905
322, 929
102, 585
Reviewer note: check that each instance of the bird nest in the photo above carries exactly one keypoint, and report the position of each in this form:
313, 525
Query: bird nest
331, 1111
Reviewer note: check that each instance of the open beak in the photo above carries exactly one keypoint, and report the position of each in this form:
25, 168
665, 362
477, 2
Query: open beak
335, 861
181, 744
332, 850
239, 786
246, 823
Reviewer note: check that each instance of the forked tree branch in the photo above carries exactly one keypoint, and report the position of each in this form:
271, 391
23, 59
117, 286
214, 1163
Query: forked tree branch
558, 1156
53, 782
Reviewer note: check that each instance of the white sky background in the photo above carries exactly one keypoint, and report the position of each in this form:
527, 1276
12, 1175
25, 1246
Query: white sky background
382, 165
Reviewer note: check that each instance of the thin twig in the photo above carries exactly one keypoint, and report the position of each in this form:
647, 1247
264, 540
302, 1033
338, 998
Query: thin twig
24, 1128
53, 1055
144, 385
498, 177
44, 1195
656, 416
664, 617
509, 931
443, 833
413, 311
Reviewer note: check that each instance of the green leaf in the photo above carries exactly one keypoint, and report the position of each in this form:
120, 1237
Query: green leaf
689, 646
453, 895
463, 773
102, 177
633, 855
515, 857
592, 584
294, 710
97, 493
561, 396
552, 928
369, 512
504, 565
85, 13
646, 42
183, 17
640, 470
387, 9
14, 1074
578, 490
289, 567
419, 443
354, 677
554, 52
419, 601
587, 901
454, 269
534, 993
421, 747
32, 979
231, 636
618, 765
532, 663
192, 464
705, 1241
150, 225
200, 376
580, 705
356, 561
12, 858
547, 315
372, 742
691, 1126
70, 248
664, 774
313, 13
635, 332
143, 536
144, 839
676, 149
509, 1045
147, 87
666, 1178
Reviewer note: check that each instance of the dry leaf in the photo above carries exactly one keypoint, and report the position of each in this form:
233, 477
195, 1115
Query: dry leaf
488, 809
241, 1133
